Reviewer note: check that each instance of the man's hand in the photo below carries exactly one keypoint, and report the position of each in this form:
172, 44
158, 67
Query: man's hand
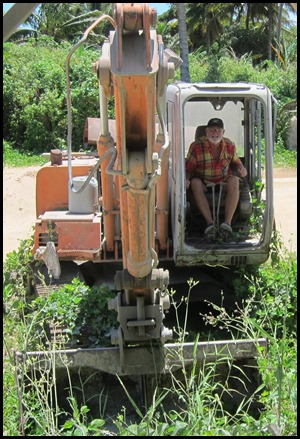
242, 171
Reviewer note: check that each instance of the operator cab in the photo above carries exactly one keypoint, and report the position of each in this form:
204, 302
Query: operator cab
246, 110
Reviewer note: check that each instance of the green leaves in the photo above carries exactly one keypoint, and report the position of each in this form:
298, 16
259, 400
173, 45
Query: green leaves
34, 95
79, 310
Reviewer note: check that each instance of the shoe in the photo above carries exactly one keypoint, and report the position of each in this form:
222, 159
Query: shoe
210, 231
224, 227
226, 232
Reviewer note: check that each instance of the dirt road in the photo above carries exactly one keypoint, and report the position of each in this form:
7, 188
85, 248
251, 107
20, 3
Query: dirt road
285, 206
19, 206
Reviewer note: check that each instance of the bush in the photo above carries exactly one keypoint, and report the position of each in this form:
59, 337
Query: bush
34, 88
34, 95
13, 158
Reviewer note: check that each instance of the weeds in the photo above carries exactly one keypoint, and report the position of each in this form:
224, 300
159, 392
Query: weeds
80, 311
13, 158
270, 311
195, 399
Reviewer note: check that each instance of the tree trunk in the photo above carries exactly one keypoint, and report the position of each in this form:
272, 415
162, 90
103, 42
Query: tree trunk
183, 38
279, 24
270, 31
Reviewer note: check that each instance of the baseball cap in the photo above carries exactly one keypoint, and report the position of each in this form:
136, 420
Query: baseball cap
215, 122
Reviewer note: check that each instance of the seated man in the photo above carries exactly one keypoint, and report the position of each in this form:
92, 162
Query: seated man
211, 159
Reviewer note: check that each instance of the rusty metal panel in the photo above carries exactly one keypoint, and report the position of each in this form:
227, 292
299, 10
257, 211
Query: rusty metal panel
93, 128
52, 184
78, 238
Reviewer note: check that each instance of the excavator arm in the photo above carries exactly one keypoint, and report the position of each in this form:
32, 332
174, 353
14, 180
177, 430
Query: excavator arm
135, 69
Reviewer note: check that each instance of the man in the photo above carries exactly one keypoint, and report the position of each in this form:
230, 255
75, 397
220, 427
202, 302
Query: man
212, 159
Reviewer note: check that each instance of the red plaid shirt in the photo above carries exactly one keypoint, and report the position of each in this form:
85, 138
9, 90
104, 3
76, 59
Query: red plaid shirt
201, 163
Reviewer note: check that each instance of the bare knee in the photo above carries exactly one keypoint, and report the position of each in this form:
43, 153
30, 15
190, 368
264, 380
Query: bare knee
233, 183
197, 185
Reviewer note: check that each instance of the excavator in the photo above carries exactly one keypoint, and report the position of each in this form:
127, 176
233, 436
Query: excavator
120, 209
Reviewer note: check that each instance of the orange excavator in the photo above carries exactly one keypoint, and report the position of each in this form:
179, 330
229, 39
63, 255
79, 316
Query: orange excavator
122, 207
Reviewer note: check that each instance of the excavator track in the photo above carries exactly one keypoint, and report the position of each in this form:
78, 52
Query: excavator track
43, 284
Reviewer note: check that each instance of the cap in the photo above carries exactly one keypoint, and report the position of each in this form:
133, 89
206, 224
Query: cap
215, 122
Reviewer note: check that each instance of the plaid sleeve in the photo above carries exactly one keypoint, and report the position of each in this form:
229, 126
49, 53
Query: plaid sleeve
235, 161
191, 159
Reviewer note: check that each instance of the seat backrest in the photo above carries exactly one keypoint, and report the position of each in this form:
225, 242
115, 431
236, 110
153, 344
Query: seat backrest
200, 132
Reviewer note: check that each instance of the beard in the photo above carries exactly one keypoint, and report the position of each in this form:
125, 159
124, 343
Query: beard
215, 140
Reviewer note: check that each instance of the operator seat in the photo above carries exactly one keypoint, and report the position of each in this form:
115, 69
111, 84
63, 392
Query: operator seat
200, 132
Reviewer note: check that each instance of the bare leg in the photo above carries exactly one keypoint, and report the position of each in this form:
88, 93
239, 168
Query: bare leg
232, 197
198, 190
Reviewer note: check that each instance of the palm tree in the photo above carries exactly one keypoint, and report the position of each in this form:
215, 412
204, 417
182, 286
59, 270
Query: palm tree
282, 17
165, 29
205, 22
183, 38
66, 21
266, 14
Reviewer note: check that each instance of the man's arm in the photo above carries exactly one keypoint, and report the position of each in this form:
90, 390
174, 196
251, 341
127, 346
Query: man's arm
237, 164
190, 162
239, 167
187, 179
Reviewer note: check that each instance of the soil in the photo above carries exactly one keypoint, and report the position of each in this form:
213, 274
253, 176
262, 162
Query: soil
19, 206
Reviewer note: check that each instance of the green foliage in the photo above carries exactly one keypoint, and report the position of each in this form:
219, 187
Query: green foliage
283, 157
16, 289
17, 278
271, 288
65, 22
282, 82
277, 283
285, 113
269, 309
60, 307
34, 95
78, 425
78, 309
10, 416
237, 69
259, 206
198, 66
241, 41
13, 158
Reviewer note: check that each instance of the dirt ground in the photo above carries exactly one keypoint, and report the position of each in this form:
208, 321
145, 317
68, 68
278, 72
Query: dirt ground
19, 206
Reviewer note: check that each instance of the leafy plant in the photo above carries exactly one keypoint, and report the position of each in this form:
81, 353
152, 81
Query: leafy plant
283, 157
78, 425
13, 158
34, 95
192, 402
259, 206
17, 278
270, 310
81, 311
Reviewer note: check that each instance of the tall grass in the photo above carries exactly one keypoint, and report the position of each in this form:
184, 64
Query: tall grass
13, 158
194, 400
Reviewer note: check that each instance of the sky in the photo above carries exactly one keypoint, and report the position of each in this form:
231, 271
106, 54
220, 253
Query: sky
160, 7
7, 6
